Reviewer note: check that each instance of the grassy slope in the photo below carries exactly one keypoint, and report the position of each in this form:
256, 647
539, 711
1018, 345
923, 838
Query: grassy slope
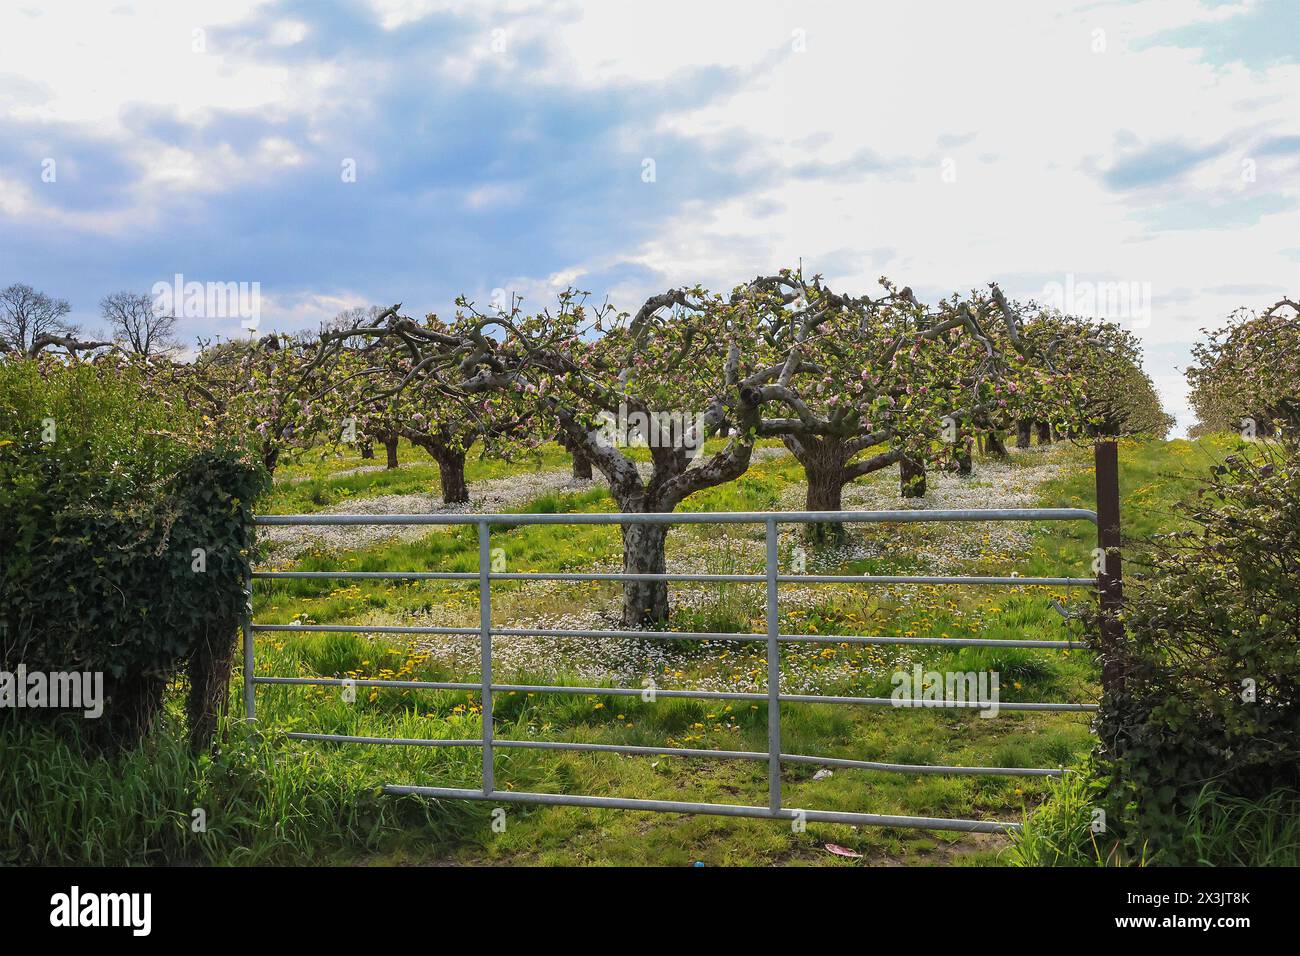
290, 801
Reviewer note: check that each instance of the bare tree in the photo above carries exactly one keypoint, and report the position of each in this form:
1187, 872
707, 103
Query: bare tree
138, 325
31, 320
353, 317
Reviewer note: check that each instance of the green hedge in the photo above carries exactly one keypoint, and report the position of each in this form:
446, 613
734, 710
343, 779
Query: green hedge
1211, 696
108, 484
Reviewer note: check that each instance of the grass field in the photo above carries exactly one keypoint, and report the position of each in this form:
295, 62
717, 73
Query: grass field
269, 798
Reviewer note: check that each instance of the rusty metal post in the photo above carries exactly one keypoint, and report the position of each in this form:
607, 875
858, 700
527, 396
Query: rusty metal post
1110, 573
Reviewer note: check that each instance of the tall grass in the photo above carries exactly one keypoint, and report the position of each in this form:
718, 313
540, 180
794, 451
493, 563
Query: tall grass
257, 799
1060, 831
1238, 831
1221, 830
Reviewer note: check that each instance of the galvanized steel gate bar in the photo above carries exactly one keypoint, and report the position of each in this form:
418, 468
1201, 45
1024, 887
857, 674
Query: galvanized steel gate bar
772, 577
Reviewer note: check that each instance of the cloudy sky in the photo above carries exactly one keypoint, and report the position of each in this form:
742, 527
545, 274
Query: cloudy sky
407, 150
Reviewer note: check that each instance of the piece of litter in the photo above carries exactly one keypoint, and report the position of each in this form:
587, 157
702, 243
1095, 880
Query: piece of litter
843, 851
823, 774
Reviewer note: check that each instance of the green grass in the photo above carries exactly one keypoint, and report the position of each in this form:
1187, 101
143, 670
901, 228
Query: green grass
1153, 477
262, 799
1221, 831
280, 800
529, 548
1234, 831
313, 483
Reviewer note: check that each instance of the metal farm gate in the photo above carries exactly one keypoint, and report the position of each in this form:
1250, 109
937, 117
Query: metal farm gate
1107, 583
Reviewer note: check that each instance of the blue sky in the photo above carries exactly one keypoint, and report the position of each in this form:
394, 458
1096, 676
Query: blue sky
1148, 146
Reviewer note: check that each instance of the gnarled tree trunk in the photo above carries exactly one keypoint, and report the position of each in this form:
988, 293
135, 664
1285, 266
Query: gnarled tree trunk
581, 460
1024, 432
826, 482
451, 472
674, 476
965, 463
390, 447
449, 451
581, 467
828, 463
824, 460
911, 478
994, 445
1044, 430
645, 603
367, 450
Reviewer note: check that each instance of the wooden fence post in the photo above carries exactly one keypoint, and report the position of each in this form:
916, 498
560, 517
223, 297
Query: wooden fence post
1110, 567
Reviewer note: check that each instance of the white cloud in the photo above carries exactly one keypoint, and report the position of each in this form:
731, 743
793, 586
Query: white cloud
15, 198
1030, 110
288, 32
1044, 112
491, 195
95, 58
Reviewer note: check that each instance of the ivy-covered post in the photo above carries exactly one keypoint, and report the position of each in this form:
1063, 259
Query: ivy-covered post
1110, 575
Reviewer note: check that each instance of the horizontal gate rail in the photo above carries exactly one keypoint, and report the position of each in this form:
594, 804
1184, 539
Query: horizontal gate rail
914, 703
487, 687
698, 578
715, 809
702, 517
670, 635
909, 768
